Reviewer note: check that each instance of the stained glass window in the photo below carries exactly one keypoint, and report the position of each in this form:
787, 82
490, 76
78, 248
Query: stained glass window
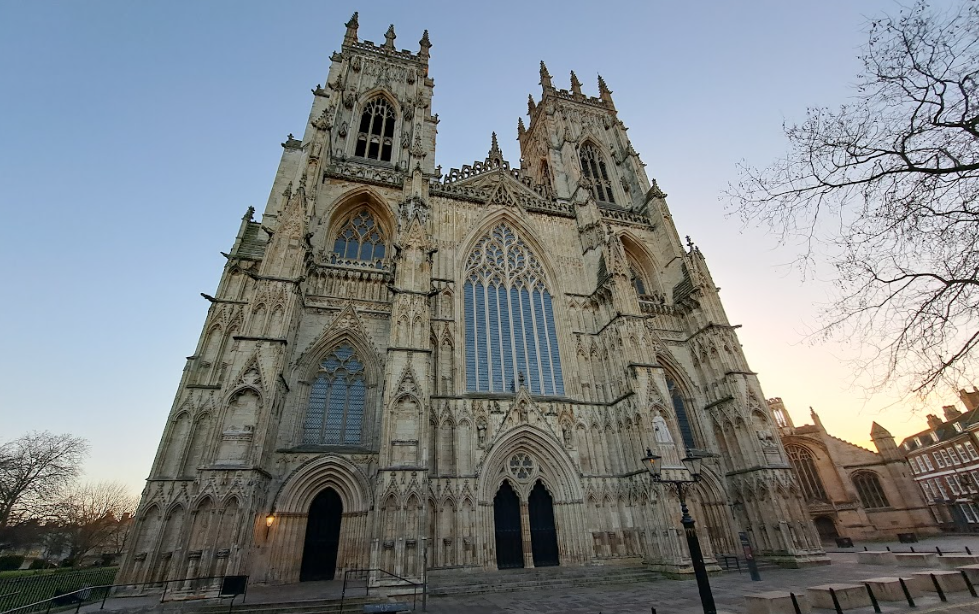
335, 415
596, 174
869, 489
360, 238
680, 409
510, 332
375, 137
805, 466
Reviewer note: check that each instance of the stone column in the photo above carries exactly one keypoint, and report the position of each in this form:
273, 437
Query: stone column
528, 548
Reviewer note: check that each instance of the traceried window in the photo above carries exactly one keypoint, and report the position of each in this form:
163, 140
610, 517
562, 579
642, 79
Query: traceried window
335, 415
596, 174
805, 465
510, 332
680, 409
637, 282
375, 138
869, 489
360, 238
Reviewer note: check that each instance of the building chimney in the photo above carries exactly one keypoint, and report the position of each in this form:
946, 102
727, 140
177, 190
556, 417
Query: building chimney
934, 421
969, 398
951, 413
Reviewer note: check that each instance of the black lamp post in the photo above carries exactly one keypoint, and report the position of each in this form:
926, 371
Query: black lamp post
679, 483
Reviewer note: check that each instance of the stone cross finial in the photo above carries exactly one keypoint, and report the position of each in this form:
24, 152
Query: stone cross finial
351, 35
689, 243
545, 77
575, 84
389, 37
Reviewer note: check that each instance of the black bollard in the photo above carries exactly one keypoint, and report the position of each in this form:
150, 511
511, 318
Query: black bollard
938, 588
795, 604
938, 550
836, 602
968, 583
912, 548
888, 548
967, 551
873, 599
907, 593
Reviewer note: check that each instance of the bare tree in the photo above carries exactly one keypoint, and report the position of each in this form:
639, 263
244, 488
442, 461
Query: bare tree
886, 188
94, 519
34, 470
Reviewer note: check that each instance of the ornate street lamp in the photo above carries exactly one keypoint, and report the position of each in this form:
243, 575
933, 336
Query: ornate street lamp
679, 481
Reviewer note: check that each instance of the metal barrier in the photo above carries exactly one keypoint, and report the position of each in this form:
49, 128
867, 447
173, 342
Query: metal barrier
91, 594
366, 575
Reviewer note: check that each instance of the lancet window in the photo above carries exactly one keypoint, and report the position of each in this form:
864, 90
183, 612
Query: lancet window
360, 238
510, 333
638, 283
680, 409
596, 174
335, 415
375, 138
870, 491
805, 466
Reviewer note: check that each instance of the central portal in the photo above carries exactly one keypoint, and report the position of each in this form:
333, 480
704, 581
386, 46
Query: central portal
509, 539
543, 535
322, 537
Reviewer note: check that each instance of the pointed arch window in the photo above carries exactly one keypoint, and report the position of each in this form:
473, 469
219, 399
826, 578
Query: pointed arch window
360, 238
870, 491
335, 415
805, 466
596, 174
510, 331
680, 409
375, 138
638, 283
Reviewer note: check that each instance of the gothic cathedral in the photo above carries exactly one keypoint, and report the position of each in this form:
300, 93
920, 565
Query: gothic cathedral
404, 367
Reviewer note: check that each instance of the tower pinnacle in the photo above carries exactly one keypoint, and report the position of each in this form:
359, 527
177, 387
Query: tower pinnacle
545, 77
389, 37
575, 84
424, 45
351, 36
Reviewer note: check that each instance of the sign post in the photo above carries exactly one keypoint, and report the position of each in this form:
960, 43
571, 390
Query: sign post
749, 556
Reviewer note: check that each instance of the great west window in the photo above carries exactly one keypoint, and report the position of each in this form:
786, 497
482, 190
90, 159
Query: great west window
510, 332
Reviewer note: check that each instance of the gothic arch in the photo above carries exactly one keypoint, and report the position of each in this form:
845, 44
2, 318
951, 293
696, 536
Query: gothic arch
555, 468
604, 162
360, 107
353, 200
306, 481
641, 258
308, 363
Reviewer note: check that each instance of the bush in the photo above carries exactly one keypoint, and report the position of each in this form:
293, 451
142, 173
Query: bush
40, 564
11, 562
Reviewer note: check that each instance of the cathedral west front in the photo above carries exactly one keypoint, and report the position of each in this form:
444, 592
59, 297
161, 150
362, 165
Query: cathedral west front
402, 367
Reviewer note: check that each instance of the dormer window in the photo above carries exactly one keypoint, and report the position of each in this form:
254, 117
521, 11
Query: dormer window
596, 174
375, 139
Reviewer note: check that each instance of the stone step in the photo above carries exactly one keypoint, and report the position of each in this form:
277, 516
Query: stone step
511, 582
311, 606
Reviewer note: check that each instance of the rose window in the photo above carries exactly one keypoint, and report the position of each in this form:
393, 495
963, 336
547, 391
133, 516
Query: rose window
521, 466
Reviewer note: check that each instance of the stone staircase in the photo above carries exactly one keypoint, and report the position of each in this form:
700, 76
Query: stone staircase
351, 605
442, 583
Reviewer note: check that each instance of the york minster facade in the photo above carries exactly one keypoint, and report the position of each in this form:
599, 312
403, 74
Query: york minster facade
404, 367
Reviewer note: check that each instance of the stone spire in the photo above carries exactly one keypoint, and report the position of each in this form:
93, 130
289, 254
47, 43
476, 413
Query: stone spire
521, 129
575, 85
604, 93
545, 77
389, 37
531, 105
495, 156
351, 36
816, 420
424, 45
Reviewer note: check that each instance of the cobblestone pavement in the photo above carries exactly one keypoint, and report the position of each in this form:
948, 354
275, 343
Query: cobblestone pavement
729, 589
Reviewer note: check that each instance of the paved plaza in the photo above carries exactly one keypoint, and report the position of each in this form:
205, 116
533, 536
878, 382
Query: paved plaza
666, 596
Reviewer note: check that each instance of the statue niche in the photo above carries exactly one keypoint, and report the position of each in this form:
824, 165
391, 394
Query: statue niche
239, 427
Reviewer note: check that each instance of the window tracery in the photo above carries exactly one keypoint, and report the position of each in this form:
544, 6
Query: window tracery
375, 136
510, 331
335, 414
870, 491
680, 409
805, 466
596, 174
360, 238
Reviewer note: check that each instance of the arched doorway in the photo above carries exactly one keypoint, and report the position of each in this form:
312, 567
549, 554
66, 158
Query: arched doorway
506, 516
543, 534
826, 528
322, 537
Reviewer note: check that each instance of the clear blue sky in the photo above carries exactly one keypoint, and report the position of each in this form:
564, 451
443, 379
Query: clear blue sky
133, 136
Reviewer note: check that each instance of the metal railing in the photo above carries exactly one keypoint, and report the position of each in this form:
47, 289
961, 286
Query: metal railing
31, 587
367, 577
92, 594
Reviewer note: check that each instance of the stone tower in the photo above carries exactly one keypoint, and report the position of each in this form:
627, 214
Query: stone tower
401, 365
